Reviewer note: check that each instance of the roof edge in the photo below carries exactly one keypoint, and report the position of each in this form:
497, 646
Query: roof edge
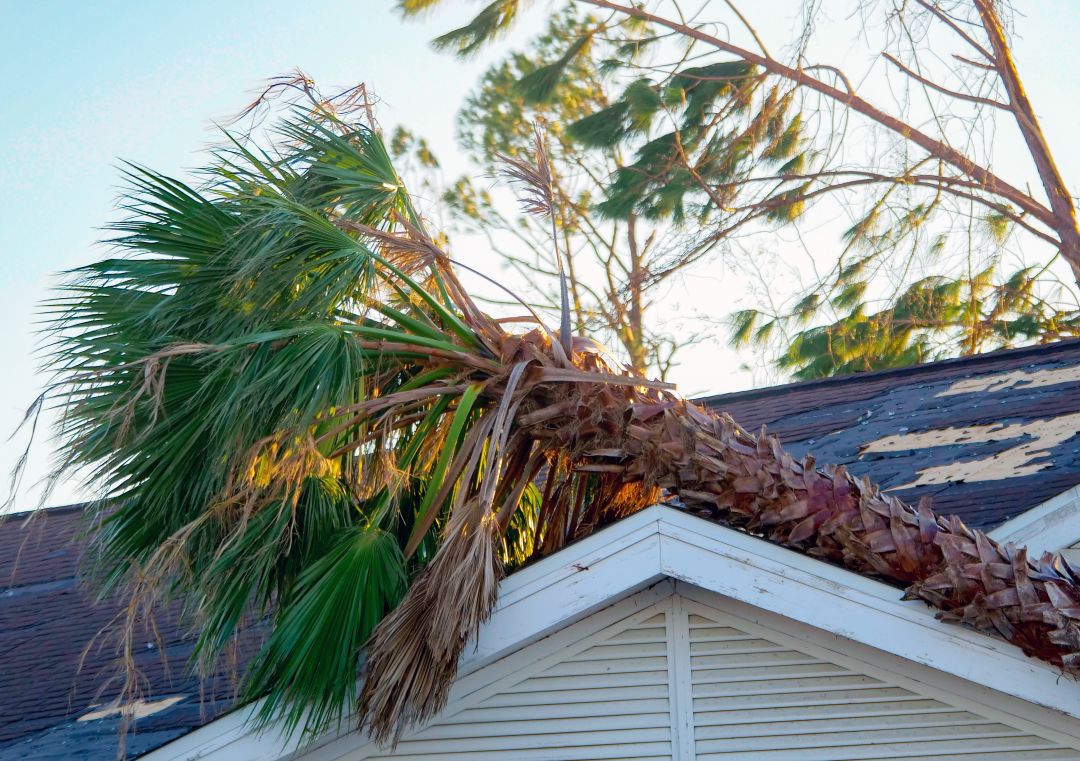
909, 370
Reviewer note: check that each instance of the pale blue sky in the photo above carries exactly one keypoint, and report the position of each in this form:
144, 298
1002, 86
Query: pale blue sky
90, 83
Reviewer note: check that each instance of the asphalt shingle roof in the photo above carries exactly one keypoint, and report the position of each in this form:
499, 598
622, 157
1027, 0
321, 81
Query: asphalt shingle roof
988, 437
48, 616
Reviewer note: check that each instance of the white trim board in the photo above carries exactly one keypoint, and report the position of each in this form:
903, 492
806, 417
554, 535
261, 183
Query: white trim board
1050, 527
596, 573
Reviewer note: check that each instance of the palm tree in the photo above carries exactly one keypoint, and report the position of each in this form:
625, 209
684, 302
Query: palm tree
297, 411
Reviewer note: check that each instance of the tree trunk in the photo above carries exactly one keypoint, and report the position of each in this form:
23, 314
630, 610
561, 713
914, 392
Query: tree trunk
1057, 194
749, 482
636, 315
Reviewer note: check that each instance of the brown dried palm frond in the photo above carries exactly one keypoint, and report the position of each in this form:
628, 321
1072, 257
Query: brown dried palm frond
536, 183
433, 626
532, 178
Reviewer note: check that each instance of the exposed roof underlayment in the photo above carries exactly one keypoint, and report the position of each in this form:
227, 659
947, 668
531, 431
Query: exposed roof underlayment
986, 437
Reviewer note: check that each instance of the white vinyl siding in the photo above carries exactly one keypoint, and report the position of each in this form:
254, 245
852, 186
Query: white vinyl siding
680, 679
760, 699
607, 701
787, 657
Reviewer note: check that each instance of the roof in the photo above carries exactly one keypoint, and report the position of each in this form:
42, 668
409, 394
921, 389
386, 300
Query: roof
987, 437
646, 557
1002, 428
47, 619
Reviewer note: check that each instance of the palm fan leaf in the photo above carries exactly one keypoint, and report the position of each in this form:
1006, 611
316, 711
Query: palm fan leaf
297, 412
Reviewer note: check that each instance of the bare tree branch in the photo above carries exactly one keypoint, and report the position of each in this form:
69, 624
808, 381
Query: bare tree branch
935, 86
1060, 217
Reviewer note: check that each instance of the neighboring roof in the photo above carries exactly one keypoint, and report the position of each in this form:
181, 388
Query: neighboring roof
646, 557
47, 619
1025, 400
987, 437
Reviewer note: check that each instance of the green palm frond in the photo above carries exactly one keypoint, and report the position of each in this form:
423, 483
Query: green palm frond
294, 408
260, 393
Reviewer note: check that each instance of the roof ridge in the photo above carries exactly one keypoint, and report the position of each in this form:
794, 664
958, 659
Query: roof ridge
925, 367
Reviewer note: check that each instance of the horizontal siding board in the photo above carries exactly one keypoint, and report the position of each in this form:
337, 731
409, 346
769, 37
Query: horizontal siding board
524, 741
888, 746
743, 716
758, 699
893, 752
639, 634
629, 752
1009, 755
842, 681
774, 657
577, 695
854, 728
539, 727
818, 697
733, 646
968, 733
598, 666
563, 709
597, 681
622, 650
717, 634
806, 669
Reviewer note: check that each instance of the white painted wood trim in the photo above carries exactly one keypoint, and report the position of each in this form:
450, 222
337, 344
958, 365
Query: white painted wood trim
853, 607
1052, 526
682, 697
635, 553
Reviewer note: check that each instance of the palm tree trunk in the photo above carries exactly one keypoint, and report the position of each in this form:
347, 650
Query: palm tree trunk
749, 482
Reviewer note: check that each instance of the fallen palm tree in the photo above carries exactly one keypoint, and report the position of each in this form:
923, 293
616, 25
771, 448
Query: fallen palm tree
293, 404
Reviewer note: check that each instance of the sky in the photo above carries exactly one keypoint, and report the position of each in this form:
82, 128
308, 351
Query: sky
92, 83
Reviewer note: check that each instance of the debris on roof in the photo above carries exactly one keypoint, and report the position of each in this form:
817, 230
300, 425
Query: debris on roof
987, 437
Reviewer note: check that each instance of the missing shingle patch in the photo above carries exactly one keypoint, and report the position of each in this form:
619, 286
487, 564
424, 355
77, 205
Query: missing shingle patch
136, 709
1034, 439
1019, 379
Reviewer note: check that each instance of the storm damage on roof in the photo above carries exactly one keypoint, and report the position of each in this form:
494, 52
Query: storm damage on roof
987, 437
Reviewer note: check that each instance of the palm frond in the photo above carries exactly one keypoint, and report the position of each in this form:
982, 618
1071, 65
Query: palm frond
297, 411
537, 197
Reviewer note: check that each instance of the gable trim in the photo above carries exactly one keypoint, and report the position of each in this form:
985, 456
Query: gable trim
853, 607
663, 542
1050, 527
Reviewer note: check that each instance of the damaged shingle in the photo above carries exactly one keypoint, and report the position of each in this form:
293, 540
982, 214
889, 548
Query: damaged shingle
988, 437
